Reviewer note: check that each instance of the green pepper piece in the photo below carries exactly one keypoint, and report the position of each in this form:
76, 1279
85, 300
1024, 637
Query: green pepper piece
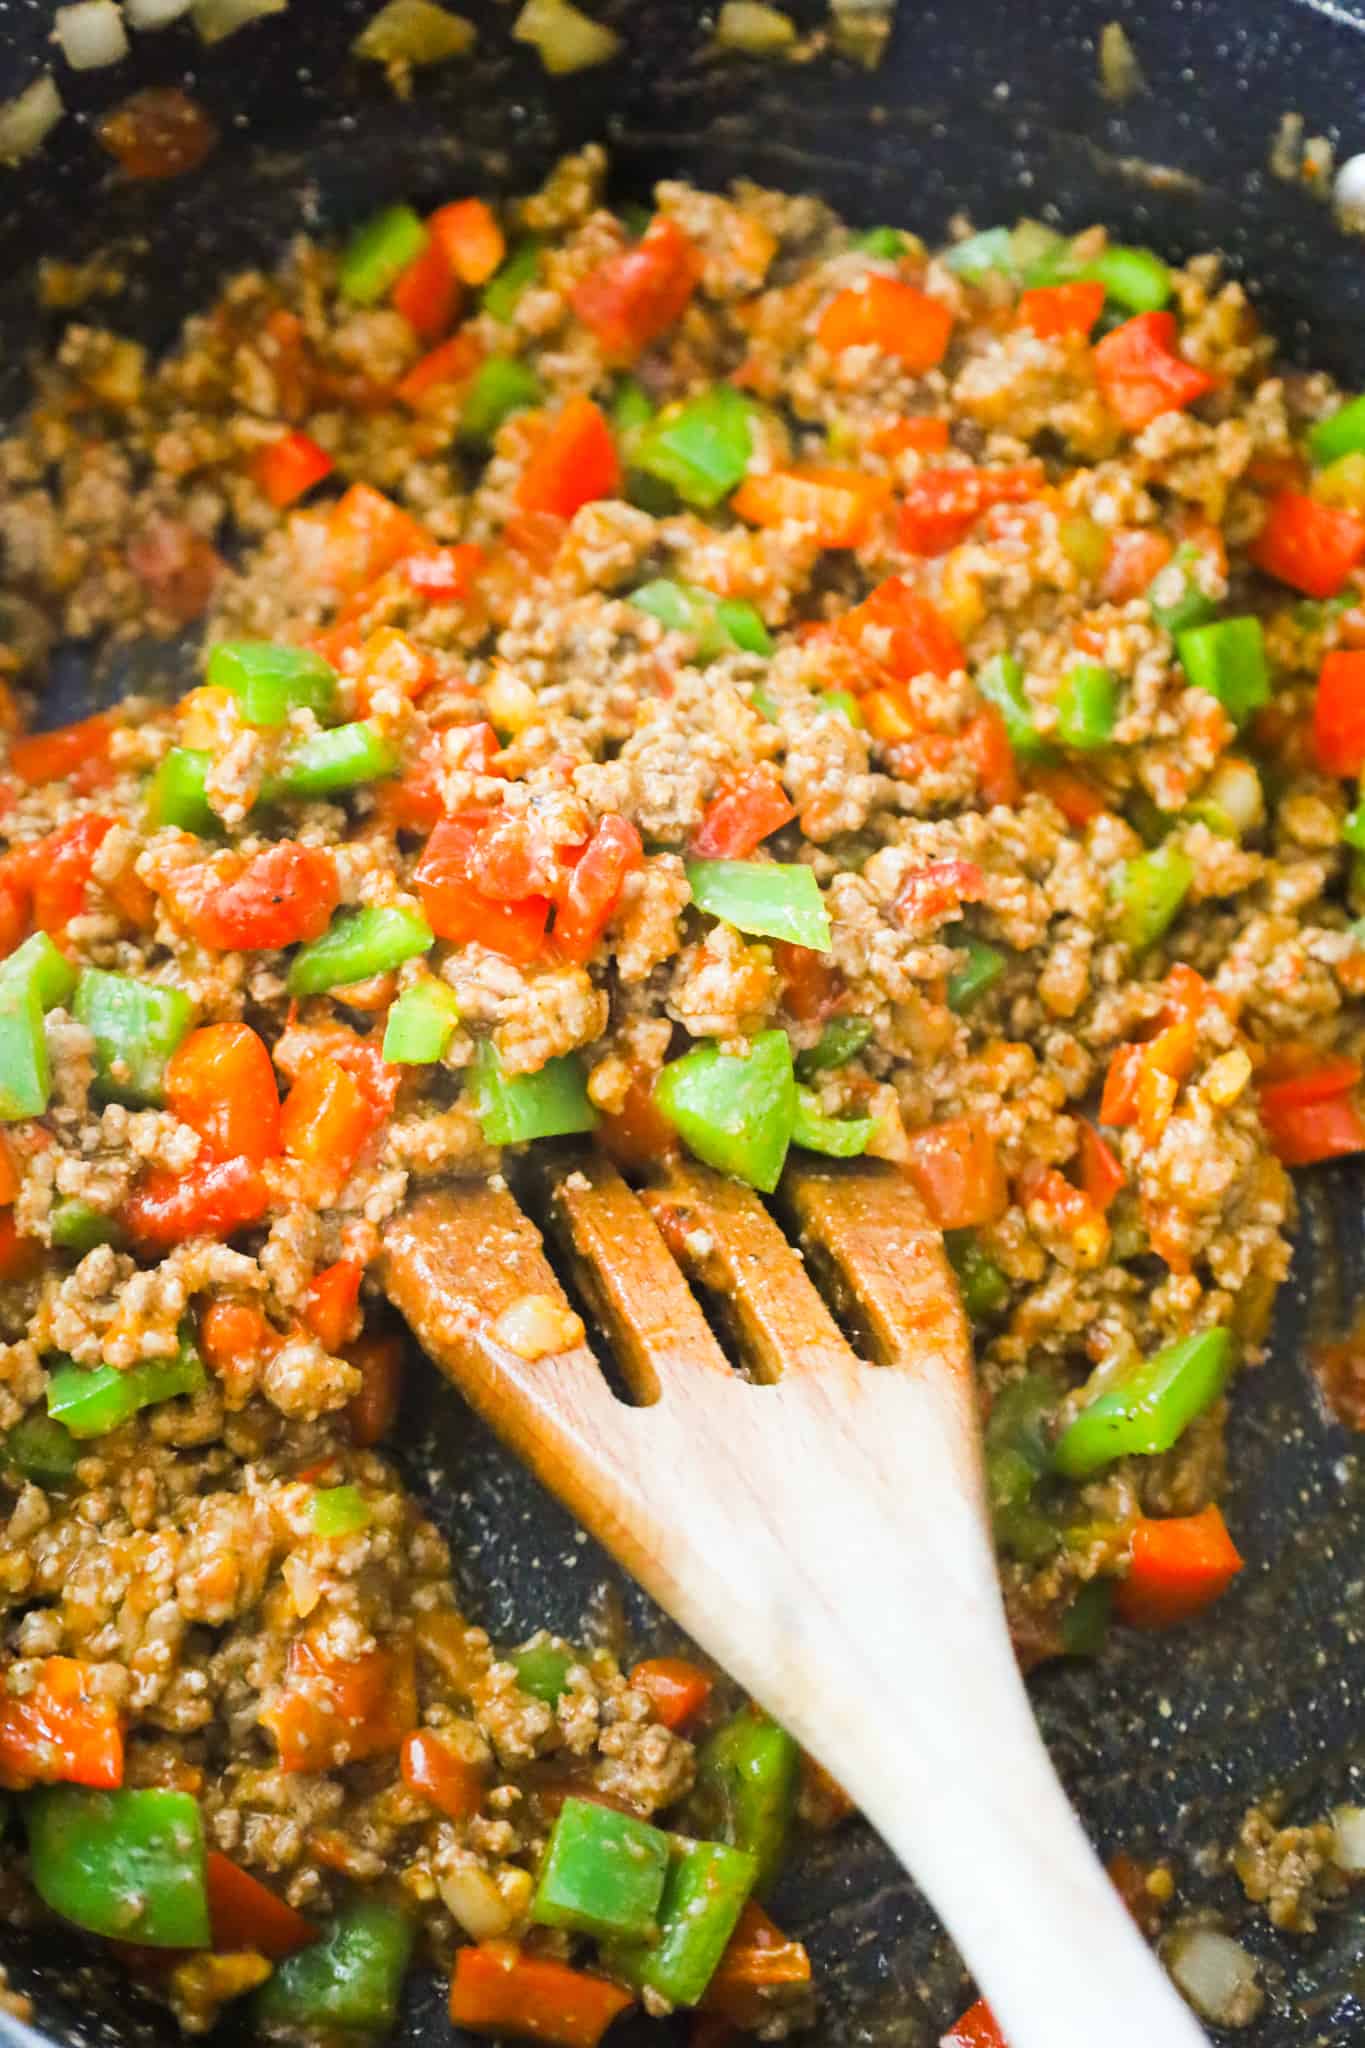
702, 447
603, 1873
358, 944
136, 1026
769, 899
1148, 892
1227, 658
735, 1112
842, 1039
1150, 1407
177, 794
1341, 433
746, 1788
1036, 250
499, 387
92, 1400
983, 1286
1017, 1458
25, 1075
349, 1982
339, 1511
1353, 827
378, 253
420, 1024
128, 1865
682, 608
632, 409
980, 254
77, 1226
1176, 596
543, 1670
706, 1890
327, 763
1085, 1623
40, 962
270, 680
840, 1137
888, 243
504, 288
743, 625
43, 1451
981, 969
845, 704
1135, 279
1087, 706
1001, 682
515, 1108
1150, 824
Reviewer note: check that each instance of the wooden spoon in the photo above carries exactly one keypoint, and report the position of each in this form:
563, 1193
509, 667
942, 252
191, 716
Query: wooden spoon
816, 1522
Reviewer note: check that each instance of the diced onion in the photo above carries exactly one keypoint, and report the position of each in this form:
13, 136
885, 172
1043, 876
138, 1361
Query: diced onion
1348, 1839
536, 1326
1120, 72
28, 119
1349, 193
567, 39
1236, 788
414, 32
860, 29
1216, 1975
91, 34
150, 14
218, 19
471, 1896
753, 28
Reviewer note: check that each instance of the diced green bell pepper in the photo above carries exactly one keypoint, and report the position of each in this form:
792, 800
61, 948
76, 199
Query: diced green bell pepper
177, 794
349, 1982
328, 763
735, 1112
44, 965
1001, 682
358, 944
1018, 1458
505, 287
421, 1023
718, 625
136, 1026
1175, 595
43, 1451
77, 1226
1341, 433
339, 1511
706, 1890
1135, 279
768, 899
499, 387
840, 1137
888, 243
25, 1073
745, 1790
1353, 827
127, 1865
270, 680
983, 1286
1148, 892
1085, 1623
701, 447
845, 704
1035, 251
842, 1039
1227, 658
1149, 1408
378, 253
979, 254
603, 1873
92, 1400
543, 1670
514, 1109
1087, 706
632, 409
743, 623
981, 969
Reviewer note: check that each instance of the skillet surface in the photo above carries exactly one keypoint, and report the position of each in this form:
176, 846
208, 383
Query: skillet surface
987, 105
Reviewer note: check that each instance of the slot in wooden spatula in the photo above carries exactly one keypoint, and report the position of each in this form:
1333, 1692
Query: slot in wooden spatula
815, 1520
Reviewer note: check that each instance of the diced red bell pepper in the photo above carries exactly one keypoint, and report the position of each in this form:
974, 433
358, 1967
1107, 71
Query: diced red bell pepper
900, 631
926, 433
811, 986
428, 293
956, 1169
19, 1256
497, 1989
1053, 309
842, 506
1339, 713
446, 574
1180, 1565
1101, 1173
593, 888
985, 741
60, 867
233, 1332
930, 894
431, 1767
1074, 794
332, 1710
332, 1310
372, 1412
638, 293
941, 506
53, 756
759, 1959
1308, 545
637, 1136
245, 1914
573, 463
676, 1690
448, 879
1136, 554
1314, 1115
366, 534
449, 363
977, 2028
1142, 376
468, 231
9, 1176
221, 1082
210, 1200
736, 822
885, 313
60, 1732
290, 466
327, 1118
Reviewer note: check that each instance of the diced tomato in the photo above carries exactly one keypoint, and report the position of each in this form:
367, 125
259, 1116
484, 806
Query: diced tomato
842, 506
901, 631
1141, 375
431, 1767
1119, 1101
428, 293
1101, 1173
210, 1200
1179, 1566
332, 1311
1053, 309
449, 877
676, 1690
925, 433
331, 1711
468, 231
278, 897
372, 1412
929, 895
391, 660
176, 566
956, 1169
52, 756
245, 1914
1339, 713
572, 464
977, 2028
221, 1082
497, 1989
326, 1118
60, 868
941, 506
366, 534
593, 889
1308, 545
811, 986
736, 822
451, 362
159, 132
413, 802
446, 574
290, 466
882, 312
1136, 554
1074, 794
60, 1732
637, 1136
986, 743
760, 1959
16, 904
638, 293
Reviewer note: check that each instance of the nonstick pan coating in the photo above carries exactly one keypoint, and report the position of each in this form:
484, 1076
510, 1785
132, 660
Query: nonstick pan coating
989, 106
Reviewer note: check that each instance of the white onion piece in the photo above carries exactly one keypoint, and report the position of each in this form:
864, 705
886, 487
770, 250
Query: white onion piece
1236, 788
150, 14
1348, 1838
567, 39
754, 28
28, 119
91, 34
218, 19
1216, 1975
414, 32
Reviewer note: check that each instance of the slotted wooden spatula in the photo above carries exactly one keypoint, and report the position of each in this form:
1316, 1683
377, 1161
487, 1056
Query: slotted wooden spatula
816, 1521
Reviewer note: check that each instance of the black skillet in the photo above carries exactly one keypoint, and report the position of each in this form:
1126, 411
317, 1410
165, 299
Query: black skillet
990, 106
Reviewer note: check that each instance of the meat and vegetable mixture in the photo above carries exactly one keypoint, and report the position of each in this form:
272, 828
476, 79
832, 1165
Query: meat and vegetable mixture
707, 678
